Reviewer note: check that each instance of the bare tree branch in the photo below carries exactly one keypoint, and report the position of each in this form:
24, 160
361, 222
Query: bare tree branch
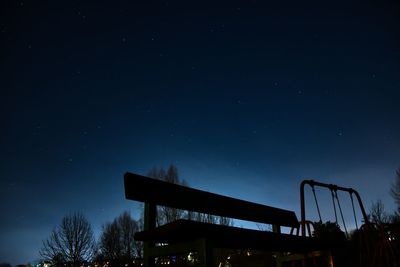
117, 243
72, 242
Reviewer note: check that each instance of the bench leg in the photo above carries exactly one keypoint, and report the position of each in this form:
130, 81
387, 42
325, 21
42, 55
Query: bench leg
206, 255
148, 259
150, 215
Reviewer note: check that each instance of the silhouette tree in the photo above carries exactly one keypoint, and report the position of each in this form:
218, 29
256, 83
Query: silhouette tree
166, 214
377, 213
139, 244
71, 243
110, 245
5, 265
117, 243
128, 228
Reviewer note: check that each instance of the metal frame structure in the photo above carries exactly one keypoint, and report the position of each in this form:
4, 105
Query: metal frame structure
331, 187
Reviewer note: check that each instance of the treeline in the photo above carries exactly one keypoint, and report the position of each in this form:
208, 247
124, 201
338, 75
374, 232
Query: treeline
377, 212
72, 243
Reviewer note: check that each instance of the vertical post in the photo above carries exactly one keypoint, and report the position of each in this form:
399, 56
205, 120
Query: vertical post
206, 255
276, 228
279, 255
150, 213
302, 209
364, 214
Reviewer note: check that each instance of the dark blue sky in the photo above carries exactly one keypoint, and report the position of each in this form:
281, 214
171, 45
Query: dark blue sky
247, 99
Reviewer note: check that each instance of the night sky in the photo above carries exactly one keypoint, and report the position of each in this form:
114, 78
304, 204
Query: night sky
247, 99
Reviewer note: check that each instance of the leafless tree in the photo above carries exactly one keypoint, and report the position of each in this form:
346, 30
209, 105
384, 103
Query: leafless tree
71, 243
139, 244
166, 214
128, 228
264, 227
117, 243
377, 213
110, 245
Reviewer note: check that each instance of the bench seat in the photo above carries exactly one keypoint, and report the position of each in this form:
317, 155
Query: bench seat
222, 236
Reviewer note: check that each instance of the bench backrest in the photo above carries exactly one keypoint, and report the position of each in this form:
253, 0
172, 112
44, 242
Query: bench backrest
153, 191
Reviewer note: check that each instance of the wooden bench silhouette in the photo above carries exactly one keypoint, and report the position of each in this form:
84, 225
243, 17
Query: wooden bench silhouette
184, 236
